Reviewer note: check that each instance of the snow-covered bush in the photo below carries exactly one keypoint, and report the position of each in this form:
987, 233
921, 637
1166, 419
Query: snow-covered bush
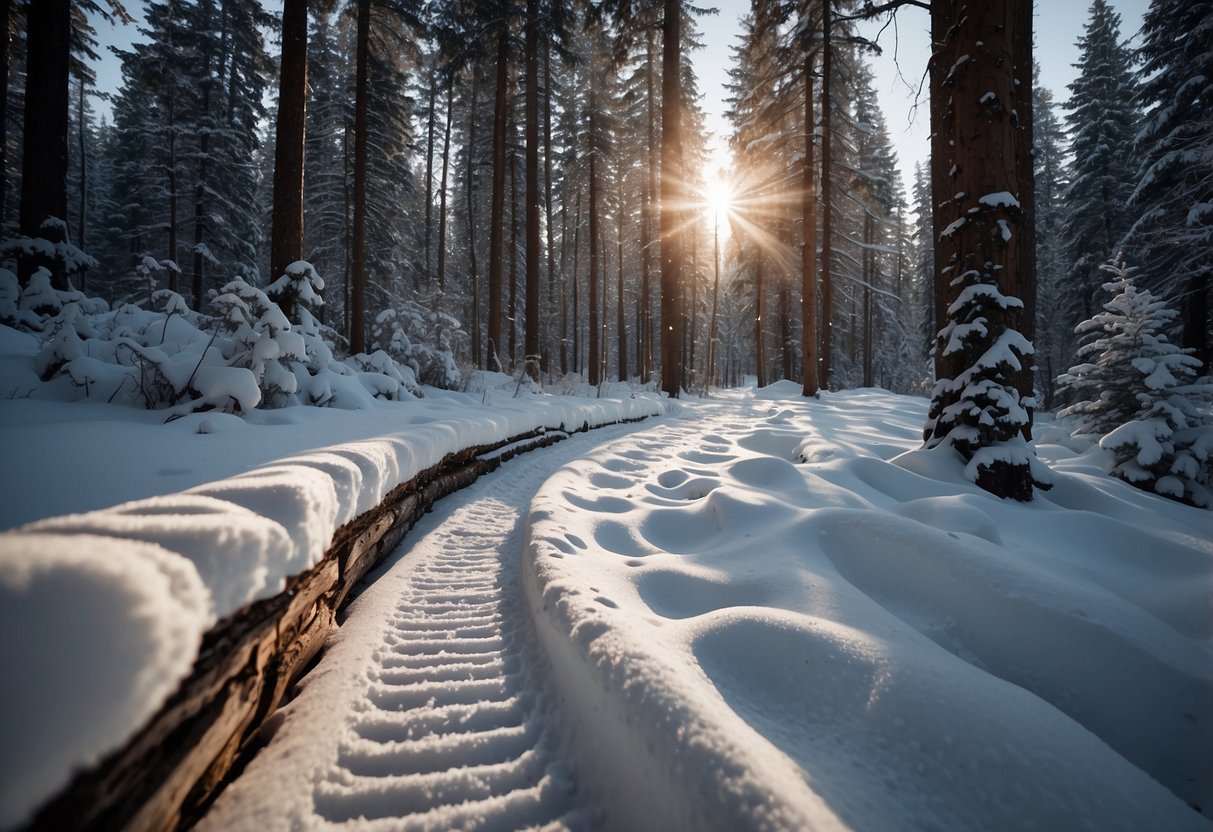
1140, 394
428, 352
260, 339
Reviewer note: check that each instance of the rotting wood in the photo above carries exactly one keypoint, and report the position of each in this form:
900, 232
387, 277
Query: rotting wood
169, 772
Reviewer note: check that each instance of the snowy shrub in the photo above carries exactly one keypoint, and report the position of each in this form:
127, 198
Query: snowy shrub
1140, 394
250, 354
428, 352
261, 340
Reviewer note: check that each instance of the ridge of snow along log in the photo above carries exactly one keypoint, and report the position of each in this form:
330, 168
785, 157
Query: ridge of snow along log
790, 615
160, 571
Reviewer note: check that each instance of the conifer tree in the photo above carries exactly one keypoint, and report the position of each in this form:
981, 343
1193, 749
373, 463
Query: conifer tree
1172, 233
1102, 121
1053, 341
1138, 392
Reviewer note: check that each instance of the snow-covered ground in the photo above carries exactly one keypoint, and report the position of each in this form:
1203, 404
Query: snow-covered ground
779, 613
759, 612
131, 538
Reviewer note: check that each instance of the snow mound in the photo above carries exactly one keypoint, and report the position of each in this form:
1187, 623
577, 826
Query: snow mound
95, 634
842, 632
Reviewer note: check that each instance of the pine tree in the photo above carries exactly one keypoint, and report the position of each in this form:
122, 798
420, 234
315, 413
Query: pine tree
1102, 120
1173, 200
1053, 342
1138, 392
981, 71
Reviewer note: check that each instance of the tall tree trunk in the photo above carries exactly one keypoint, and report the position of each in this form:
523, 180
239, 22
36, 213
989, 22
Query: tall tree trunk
6, 45
470, 189
511, 315
358, 283
442, 189
1021, 57
621, 322
760, 353
578, 343
429, 173
199, 269
827, 197
869, 278
975, 106
82, 214
44, 161
671, 171
646, 225
711, 377
497, 218
785, 327
286, 235
547, 187
595, 363
347, 198
532, 188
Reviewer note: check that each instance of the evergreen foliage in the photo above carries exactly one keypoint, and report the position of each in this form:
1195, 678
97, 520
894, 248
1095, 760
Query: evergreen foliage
1139, 393
1102, 119
1172, 234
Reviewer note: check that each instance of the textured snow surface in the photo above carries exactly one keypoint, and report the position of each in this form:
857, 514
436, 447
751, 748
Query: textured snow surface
431, 708
262, 498
94, 635
781, 614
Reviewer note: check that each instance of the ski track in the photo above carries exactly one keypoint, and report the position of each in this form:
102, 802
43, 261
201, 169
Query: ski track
452, 725
451, 732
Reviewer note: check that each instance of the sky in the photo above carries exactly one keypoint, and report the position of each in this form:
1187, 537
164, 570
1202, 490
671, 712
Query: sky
898, 70
1057, 25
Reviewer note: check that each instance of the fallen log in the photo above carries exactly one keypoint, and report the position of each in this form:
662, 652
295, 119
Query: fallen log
170, 771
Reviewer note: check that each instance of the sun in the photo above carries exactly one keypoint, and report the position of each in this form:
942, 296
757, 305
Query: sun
718, 200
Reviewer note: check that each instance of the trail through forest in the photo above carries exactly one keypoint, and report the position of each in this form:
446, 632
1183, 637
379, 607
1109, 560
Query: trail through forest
430, 709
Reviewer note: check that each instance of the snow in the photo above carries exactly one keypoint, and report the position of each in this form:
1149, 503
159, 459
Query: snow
228, 507
760, 611
1000, 199
94, 635
864, 640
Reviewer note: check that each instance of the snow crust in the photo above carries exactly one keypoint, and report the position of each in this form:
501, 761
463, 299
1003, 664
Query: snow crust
139, 536
787, 615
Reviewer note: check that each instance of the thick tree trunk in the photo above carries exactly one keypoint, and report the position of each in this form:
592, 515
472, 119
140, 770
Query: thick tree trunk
827, 198
286, 235
978, 92
671, 191
531, 345
44, 162
808, 254
785, 327
497, 218
358, 283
